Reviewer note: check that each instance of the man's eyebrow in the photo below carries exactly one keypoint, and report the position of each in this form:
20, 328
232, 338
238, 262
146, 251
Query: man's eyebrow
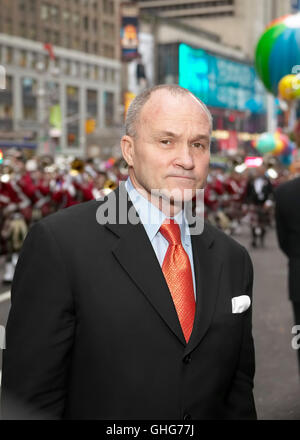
202, 137
166, 133
175, 135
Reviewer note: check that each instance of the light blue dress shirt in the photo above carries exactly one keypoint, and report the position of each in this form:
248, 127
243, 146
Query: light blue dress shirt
152, 219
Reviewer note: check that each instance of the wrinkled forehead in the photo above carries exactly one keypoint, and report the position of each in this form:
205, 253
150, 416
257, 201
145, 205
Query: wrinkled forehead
164, 106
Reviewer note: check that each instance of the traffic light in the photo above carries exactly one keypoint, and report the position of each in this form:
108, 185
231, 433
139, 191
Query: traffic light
90, 125
1, 156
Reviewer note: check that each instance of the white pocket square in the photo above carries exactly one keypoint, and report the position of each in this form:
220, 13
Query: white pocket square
240, 303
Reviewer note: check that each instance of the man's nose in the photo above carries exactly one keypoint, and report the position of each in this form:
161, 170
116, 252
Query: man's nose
184, 157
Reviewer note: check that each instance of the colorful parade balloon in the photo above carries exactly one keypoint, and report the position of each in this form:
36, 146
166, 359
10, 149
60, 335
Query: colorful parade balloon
286, 159
289, 87
278, 51
281, 143
276, 143
266, 143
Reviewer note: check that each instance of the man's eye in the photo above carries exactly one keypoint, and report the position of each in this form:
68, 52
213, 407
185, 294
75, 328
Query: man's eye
165, 141
199, 145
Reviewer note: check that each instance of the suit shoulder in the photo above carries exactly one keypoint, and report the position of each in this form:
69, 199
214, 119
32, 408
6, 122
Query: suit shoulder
286, 187
223, 240
65, 217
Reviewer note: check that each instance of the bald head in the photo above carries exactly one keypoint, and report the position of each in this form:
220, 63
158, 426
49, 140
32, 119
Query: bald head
157, 96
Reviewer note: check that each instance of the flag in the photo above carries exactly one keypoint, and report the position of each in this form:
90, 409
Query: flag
49, 48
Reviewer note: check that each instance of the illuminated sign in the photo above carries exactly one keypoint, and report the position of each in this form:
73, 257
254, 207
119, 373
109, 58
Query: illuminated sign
220, 82
129, 31
254, 162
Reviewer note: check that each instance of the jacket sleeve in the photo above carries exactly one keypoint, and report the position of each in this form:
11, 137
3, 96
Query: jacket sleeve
280, 227
240, 402
39, 331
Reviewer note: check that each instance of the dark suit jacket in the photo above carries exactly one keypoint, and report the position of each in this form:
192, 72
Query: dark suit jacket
93, 332
287, 213
253, 197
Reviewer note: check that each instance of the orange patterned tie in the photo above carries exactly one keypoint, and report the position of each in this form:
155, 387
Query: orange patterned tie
178, 274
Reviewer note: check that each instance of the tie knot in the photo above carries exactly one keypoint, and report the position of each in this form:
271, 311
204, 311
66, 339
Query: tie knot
171, 231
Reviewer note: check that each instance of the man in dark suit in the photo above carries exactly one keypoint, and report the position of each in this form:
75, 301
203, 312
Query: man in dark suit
138, 319
259, 192
287, 213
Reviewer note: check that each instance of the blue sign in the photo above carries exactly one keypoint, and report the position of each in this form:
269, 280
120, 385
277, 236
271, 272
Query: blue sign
295, 5
220, 82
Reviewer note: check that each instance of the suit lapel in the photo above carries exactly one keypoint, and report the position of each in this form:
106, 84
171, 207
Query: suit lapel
136, 255
208, 266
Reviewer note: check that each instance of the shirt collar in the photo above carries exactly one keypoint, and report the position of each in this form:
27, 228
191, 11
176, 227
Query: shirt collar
152, 217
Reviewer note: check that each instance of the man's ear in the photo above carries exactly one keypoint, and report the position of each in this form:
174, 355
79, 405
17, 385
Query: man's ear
127, 147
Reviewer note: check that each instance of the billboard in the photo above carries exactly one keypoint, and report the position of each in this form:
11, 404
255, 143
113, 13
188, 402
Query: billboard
129, 31
220, 82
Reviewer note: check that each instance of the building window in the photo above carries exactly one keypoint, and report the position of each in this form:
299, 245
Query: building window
86, 22
54, 11
47, 35
86, 45
76, 43
22, 5
33, 60
84, 70
32, 33
66, 16
74, 68
76, 18
72, 126
92, 104
9, 55
29, 91
23, 29
109, 108
56, 37
9, 83
96, 73
66, 40
53, 92
108, 29
96, 47
32, 6
108, 51
6, 105
105, 6
44, 12
23, 58
67, 67
9, 26
105, 74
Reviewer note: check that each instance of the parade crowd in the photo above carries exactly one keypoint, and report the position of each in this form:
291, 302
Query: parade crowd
34, 188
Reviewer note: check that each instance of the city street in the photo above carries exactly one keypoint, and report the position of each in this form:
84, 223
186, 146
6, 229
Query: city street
277, 380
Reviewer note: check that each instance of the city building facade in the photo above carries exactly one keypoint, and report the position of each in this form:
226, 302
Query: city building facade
51, 76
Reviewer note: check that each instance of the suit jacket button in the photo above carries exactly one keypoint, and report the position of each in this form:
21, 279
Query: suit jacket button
187, 417
187, 359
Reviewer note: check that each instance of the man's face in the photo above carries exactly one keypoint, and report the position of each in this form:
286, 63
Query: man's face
171, 150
